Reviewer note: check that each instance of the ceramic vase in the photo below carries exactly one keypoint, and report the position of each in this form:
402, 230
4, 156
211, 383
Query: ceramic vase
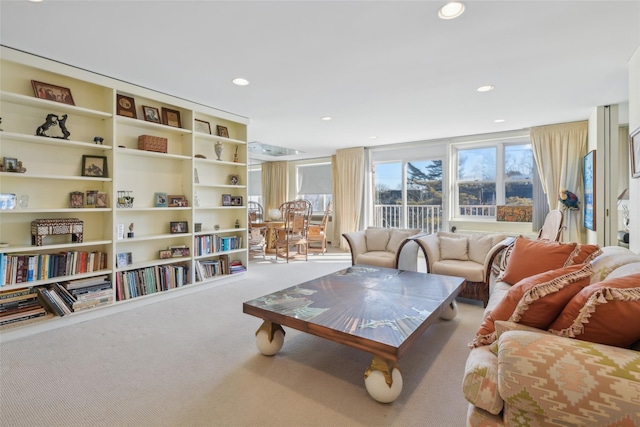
219, 149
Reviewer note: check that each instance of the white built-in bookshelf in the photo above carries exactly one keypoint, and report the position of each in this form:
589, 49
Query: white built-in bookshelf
188, 176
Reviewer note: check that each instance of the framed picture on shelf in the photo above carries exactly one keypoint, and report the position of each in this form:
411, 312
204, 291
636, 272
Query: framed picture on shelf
126, 106
236, 201
10, 164
634, 153
201, 126
171, 117
177, 201
7, 201
234, 179
176, 227
160, 200
52, 92
151, 114
589, 213
223, 131
226, 200
179, 251
124, 259
165, 254
76, 199
120, 232
95, 166
90, 198
101, 200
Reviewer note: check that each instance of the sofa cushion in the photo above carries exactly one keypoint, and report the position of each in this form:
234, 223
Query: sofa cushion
606, 313
379, 258
480, 382
454, 248
479, 247
535, 301
503, 326
583, 253
397, 237
625, 270
377, 239
530, 257
606, 263
471, 271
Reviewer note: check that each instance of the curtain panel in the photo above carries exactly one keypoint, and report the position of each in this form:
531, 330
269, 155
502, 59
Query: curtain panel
348, 191
275, 177
558, 151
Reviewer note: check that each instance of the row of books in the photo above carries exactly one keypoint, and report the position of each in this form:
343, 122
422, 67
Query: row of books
26, 268
150, 280
236, 266
211, 243
19, 305
77, 295
208, 268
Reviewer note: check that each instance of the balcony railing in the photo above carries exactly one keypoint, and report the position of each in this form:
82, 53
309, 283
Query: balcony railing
478, 210
427, 218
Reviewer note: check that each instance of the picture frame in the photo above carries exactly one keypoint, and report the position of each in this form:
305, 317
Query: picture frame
202, 126
179, 251
76, 199
177, 201
226, 200
589, 205
120, 232
124, 259
223, 131
234, 179
90, 198
165, 254
171, 117
236, 201
52, 92
94, 166
126, 106
160, 200
151, 114
7, 201
178, 227
10, 164
102, 200
634, 153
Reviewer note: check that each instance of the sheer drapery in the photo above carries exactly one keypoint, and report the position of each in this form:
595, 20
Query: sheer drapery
348, 190
540, 203
275, 177
558, 151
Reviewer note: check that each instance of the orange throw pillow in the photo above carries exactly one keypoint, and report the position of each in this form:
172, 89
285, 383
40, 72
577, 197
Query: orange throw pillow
584, 253
606, 312
535, 301
531, 257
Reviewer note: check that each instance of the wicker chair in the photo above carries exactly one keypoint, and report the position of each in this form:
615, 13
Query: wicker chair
318, 233
296, 215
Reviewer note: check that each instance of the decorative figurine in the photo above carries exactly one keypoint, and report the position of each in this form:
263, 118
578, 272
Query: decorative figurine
62, 122
20, 168
98, 140
53, 120
219, 148
130, 233
235, 156
237, 224
125, 199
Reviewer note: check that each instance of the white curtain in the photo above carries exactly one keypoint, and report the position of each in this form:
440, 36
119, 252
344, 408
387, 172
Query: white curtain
275, 177
558, 151
348, 191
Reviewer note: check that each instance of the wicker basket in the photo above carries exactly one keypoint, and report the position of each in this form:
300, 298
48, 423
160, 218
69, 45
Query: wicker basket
152, 143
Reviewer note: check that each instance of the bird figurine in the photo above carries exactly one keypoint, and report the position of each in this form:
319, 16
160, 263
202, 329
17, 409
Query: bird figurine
568, 199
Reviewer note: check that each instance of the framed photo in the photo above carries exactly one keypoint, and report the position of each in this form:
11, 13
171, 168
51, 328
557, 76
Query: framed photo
52, 92
126, 106
160, 200
634, 153
589, 213
223, 131
202, 126
179, 227
151, 114
101, 200
95, 166
90, 198
226, 200
7, 201
124, 259
236, 201
234, 179
76, 199
179, 251
171, 117
120, 232
177, 201
166, 253
10, 164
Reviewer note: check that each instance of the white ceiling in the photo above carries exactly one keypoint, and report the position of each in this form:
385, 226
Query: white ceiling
390, 69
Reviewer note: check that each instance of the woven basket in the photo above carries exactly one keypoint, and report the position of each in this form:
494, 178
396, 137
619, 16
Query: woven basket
152, 143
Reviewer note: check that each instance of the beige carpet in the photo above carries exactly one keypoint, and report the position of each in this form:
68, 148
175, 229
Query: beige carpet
192, 361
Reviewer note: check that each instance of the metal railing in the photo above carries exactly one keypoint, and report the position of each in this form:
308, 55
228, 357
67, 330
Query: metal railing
427, 218
478, 210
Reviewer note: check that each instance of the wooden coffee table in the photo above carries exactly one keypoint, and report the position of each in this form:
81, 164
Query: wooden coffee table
382, 311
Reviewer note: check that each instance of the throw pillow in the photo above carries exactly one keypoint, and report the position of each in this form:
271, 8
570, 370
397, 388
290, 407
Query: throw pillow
535, 301
583, 253
377, 239
454, 248
397, 237
479, 247
531, 257
606, 313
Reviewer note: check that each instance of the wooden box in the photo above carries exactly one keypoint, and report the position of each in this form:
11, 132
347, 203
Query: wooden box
152, 143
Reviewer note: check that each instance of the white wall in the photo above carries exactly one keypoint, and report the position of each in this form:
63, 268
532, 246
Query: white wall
634, 123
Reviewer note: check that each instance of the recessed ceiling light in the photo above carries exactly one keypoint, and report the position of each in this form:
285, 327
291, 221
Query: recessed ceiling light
451, 10
326, 118
240, 81
486, 88
499, 121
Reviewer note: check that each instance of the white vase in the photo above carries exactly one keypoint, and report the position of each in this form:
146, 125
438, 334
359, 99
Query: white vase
219, 149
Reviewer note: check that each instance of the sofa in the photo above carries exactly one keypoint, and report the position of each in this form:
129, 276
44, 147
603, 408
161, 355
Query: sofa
384, 247
559, 347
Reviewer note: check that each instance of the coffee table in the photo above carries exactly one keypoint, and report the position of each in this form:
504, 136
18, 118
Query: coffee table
379, 310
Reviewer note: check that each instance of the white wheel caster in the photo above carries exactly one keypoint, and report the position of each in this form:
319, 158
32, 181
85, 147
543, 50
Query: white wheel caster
269, 338
378, 388
449, 311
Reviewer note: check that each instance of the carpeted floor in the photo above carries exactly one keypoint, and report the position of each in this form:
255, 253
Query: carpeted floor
192, 361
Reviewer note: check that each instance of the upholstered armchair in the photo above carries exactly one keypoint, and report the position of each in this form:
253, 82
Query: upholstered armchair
384, 247
469, 256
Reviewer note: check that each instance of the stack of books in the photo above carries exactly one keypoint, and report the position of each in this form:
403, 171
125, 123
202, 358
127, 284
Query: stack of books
237, 267
19, 305
77, 295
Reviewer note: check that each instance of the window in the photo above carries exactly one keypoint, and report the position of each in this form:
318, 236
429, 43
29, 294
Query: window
314, 185
255, 185
499, 174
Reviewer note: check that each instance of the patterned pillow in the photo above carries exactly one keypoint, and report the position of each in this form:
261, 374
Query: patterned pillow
535, 301
530, 257
607, 312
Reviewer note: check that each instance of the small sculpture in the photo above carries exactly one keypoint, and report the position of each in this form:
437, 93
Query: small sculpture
62, 122
237, 224
52, 120
20, 168
568, 199
130, 233
98, 140
219, 148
